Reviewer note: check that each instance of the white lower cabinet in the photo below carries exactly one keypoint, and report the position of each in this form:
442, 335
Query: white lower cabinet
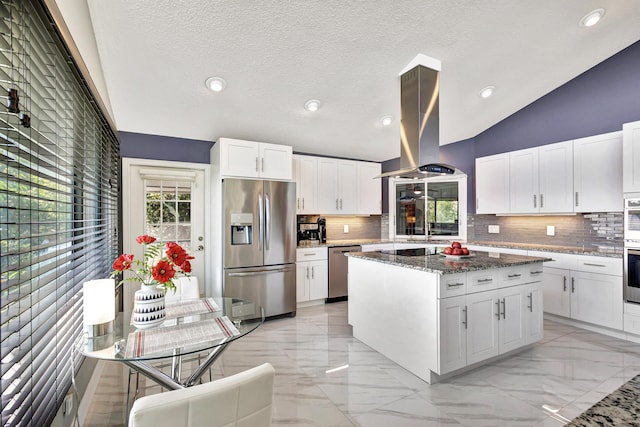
311, 274
590, 291
477, 326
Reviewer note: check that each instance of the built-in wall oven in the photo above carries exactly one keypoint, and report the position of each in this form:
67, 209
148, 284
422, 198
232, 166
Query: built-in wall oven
632, 250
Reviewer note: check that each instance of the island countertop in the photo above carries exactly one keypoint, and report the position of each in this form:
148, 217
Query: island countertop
439, 264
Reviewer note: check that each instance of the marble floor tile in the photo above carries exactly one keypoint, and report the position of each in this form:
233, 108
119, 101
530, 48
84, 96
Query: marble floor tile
325, 377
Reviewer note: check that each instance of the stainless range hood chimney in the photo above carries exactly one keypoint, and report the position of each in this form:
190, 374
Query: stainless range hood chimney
420, 125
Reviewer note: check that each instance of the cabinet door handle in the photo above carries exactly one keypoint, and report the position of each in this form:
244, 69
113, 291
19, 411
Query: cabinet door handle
485, 280
534, 201
336, 204
307, 273
536, 272
541, 201
564, 280
341, 204
594, 265
577, 199
513, 276
498, 309
464, 322
262, 164
504, 308
298, 203
454, 285
573, 284
303, 203
477, 204
530, 306
256, 164
313, 275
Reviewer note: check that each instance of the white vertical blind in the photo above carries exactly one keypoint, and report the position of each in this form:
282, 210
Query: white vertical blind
59, 182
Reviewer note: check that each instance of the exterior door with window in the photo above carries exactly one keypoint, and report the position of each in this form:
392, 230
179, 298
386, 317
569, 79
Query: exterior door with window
165, 200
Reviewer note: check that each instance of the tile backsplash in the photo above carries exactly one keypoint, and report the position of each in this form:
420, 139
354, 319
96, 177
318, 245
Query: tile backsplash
360, 227
593, 231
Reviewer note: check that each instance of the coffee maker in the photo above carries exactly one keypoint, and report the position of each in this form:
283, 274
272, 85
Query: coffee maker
322, 229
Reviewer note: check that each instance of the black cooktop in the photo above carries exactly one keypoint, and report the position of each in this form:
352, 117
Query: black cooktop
407, 252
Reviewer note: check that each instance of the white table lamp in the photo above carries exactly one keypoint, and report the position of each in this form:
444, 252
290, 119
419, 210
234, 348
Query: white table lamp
99, 306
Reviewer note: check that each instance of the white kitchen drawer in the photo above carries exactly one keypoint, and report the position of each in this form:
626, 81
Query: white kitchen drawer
311, 254
484, 280
558, 260
513, 276
452, 285
601, 265
535, 272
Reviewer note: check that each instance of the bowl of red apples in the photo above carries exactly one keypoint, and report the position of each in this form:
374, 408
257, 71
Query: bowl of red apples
456, 250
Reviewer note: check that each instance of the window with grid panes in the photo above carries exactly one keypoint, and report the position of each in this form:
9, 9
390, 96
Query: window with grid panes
59, 181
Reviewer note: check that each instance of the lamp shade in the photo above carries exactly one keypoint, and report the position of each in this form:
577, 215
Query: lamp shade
99, 308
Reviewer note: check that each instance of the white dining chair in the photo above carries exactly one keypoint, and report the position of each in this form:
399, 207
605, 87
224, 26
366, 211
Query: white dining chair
244, 399
189, 288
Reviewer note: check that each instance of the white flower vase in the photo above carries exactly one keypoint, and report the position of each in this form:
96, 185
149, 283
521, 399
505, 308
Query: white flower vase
148, 307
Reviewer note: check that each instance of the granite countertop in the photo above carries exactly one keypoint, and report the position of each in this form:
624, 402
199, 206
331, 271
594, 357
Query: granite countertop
620, 408
610, 253
439, 264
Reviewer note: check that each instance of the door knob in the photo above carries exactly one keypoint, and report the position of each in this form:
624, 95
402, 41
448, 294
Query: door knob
200, 248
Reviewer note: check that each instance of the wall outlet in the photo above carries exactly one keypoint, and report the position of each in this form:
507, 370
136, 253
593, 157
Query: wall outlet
345, 228
551, 230
494, 229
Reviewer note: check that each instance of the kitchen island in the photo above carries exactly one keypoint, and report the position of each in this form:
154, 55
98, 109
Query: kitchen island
438, 316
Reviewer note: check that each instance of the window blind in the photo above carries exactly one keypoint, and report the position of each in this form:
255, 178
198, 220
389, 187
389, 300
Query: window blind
59, 182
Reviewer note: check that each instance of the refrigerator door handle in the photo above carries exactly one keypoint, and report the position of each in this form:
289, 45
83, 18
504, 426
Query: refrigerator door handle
267, 216
256, 272
260, 221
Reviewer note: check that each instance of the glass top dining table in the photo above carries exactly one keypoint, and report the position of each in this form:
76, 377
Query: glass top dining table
191, 326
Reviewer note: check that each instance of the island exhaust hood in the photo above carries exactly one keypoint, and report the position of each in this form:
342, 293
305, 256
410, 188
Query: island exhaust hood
420, 126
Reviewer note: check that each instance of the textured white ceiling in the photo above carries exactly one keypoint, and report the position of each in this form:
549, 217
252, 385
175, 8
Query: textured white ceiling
275, 55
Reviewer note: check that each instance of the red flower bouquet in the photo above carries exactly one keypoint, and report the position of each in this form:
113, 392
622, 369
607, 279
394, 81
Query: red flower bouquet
156, 267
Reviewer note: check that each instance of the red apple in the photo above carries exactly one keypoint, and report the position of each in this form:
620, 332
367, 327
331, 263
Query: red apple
456, 245
456, 251
447, 250
465, 251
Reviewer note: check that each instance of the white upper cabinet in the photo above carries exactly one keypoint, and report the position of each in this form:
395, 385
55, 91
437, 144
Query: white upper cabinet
541, 179
250, 159
328, 202
348, 187
631, 157
305, 169
492, 184
598, 173
556, 177
369, 188
523, 181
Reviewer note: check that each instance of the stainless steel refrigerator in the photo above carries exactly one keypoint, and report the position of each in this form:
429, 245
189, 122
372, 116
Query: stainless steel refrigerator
259, 223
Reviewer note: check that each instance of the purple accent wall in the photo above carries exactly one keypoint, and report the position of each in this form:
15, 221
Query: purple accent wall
597, 101
156, 147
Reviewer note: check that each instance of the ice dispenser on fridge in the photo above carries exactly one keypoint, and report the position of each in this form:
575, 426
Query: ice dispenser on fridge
241, 228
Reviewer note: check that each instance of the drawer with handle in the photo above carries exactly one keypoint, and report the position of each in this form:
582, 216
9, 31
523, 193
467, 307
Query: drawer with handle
513, 276
452, 285
478, 281
601, 265
311, 254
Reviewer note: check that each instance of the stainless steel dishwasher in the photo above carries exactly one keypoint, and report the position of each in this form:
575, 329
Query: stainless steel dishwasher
338, 271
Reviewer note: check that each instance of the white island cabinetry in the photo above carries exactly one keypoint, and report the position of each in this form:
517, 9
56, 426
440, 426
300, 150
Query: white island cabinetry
436, 324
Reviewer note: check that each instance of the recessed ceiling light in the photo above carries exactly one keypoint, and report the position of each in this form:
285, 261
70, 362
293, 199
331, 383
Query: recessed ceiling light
312, 105
487, 91
591, 18
386, 120
215, 84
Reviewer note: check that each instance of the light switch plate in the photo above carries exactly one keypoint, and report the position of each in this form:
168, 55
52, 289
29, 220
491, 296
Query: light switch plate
494, 229
346, 228
551, 230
